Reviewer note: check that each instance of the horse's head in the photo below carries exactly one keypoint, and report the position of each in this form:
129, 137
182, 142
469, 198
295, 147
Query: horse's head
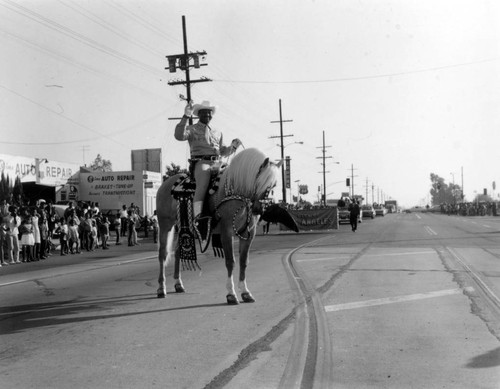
250, 175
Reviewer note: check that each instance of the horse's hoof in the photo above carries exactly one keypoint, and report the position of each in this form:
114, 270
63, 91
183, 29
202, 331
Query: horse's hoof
179, 288
161, 294
232, 300
247, 297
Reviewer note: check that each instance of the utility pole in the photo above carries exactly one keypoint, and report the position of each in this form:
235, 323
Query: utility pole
184, 62
463, 198
366, 187
324, 172
281, 136
352, 180
373, 187
84, 148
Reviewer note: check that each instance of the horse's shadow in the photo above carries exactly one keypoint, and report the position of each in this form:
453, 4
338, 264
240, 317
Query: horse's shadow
19, 318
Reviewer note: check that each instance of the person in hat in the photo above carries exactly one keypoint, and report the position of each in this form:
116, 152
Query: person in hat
206, 146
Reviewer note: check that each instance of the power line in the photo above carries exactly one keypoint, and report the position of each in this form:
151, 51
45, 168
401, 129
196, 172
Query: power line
359, 78
75, 35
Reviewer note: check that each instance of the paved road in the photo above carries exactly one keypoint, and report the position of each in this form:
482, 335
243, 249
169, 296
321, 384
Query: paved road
410, 300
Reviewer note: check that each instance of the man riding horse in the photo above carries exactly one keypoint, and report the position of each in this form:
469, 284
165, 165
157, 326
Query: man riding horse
206, 148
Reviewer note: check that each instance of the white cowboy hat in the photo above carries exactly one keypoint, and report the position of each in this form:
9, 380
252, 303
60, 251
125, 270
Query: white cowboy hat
204, 105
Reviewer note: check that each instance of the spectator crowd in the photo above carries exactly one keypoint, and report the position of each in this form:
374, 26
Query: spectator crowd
34, 232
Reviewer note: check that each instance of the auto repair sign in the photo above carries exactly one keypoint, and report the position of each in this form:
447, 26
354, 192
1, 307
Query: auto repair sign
108, 188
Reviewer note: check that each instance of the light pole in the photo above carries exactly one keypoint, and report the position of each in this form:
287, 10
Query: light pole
298, 190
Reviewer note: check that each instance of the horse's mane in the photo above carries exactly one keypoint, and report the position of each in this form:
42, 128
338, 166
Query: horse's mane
244, 176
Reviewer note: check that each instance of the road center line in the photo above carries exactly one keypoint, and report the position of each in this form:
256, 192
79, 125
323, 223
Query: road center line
391, 300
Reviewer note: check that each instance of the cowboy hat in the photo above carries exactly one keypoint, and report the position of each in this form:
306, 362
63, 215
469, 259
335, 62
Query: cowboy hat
204, 105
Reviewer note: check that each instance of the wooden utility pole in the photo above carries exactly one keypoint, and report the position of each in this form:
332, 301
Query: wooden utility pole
324, 172
184, 62
281, 136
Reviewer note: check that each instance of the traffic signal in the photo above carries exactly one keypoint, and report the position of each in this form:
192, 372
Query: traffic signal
485, 191
347, 182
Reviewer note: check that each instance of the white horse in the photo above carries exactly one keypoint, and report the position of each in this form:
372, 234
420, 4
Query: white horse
235, 207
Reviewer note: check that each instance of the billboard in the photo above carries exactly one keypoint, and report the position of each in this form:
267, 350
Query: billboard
147, 159
112, 190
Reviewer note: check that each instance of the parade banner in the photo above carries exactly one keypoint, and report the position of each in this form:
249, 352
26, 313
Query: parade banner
315, 219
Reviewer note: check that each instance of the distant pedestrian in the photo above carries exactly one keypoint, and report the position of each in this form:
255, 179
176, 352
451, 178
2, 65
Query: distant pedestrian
104, 232
123, 219
13, 223
117, 224
353, 215
63, 236
154, 224
132, 232
73, 237
44, 236
27, 239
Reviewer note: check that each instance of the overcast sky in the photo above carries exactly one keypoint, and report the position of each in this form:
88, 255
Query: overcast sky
401, 89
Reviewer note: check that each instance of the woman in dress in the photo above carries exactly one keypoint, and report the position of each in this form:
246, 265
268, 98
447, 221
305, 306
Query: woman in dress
27, 238
36, 233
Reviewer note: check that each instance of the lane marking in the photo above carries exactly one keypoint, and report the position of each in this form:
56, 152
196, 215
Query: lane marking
394, 254
487, 226
323, 259
367, 255
392, 300
430, 230
418, 216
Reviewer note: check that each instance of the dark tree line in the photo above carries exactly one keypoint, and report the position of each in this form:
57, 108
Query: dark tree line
9, 190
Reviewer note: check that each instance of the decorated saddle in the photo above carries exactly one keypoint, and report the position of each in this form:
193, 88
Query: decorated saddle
183, 191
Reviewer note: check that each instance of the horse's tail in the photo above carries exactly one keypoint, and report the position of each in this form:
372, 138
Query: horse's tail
170, 244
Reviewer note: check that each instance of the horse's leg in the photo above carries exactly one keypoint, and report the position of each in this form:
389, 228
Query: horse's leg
227, 245
244, 260
162, 257
179, 287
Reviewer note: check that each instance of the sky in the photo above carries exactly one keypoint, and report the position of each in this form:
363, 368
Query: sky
393, 90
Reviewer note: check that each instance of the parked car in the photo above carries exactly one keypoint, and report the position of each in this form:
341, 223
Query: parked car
368, 211
380, 211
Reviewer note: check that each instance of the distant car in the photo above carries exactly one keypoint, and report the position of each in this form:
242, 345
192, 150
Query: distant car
407, 210
60, 208
380, 211
368, 211
344, 215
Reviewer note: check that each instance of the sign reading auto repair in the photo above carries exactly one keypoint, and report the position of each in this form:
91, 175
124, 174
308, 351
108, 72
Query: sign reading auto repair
54, 173
108, 187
